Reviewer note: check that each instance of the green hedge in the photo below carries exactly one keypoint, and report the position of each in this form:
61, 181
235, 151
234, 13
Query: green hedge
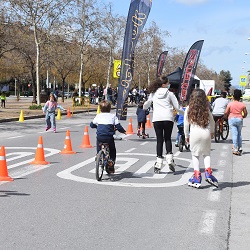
35, 107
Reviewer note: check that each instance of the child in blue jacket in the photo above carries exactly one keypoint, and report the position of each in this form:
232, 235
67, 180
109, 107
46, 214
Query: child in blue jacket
141, 118
106, 124
180, 124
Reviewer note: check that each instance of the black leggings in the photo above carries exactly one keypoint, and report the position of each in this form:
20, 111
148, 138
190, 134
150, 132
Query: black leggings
163, 131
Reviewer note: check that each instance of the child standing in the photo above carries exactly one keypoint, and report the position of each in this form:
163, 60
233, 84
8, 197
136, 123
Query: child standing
199, 119
50, 109
180, 124
106, 124
141, 119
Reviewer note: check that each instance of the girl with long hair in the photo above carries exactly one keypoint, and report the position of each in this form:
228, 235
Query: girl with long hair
164, 102
199, 130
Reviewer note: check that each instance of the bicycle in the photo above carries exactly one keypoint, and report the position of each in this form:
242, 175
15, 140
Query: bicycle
102, 160
221, 129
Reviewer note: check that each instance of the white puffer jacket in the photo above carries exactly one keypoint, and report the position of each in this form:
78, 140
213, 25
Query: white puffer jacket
164, 102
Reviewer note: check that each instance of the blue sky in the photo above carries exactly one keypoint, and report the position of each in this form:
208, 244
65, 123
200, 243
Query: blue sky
224, 25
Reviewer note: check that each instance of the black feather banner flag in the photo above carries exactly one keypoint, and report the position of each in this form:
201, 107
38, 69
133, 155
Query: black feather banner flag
161, 61
137, 17
188, 71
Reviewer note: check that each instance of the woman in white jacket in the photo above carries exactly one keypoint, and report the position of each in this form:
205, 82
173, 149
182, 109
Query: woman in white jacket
164, 102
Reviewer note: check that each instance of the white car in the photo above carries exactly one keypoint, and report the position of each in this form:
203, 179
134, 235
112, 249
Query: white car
246, 95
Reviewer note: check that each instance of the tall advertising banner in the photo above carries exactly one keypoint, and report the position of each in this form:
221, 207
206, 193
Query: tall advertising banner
137, 17
160, 64
188, 71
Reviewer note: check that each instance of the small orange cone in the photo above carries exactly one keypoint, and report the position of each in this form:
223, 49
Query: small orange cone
3, 166
68, 112
130, 127
85, 140
148, 124
67, 145
39, 158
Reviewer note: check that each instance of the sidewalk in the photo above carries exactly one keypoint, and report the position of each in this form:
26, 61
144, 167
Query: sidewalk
13, 108
240, 202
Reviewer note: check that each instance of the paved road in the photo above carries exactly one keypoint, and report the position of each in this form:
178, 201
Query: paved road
62, 206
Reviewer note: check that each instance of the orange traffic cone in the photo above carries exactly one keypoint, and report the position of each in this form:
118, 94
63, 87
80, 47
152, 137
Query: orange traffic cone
148, 124
3, 166
39, 158
130, 127
68, 112
67, 145
85, 140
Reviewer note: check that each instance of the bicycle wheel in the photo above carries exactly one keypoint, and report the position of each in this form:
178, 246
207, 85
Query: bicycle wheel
180, 144
99, 165
225, 130
217, 131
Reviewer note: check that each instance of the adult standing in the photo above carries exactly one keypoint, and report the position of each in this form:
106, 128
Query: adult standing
164, 102
236, 111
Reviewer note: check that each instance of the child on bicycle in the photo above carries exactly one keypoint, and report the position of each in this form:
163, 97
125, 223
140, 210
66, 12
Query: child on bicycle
106, 124
179, 118
141, 119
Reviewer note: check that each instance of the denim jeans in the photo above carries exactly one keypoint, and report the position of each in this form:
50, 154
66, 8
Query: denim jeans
50, 120
236, 125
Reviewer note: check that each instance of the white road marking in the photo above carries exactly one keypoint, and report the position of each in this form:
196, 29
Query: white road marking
144, 143
19, 155
14, 137
128, 162
28, 169
51, 150
142, 172
68, 175
208, 222
130, 150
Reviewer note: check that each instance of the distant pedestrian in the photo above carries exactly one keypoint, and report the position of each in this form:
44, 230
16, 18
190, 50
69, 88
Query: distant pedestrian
3, 99
199, 130
49, 110
236, 111
141, 119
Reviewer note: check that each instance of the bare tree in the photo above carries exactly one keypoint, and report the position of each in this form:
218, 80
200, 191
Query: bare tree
113, 28
38, 15
84, 28
150, 45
